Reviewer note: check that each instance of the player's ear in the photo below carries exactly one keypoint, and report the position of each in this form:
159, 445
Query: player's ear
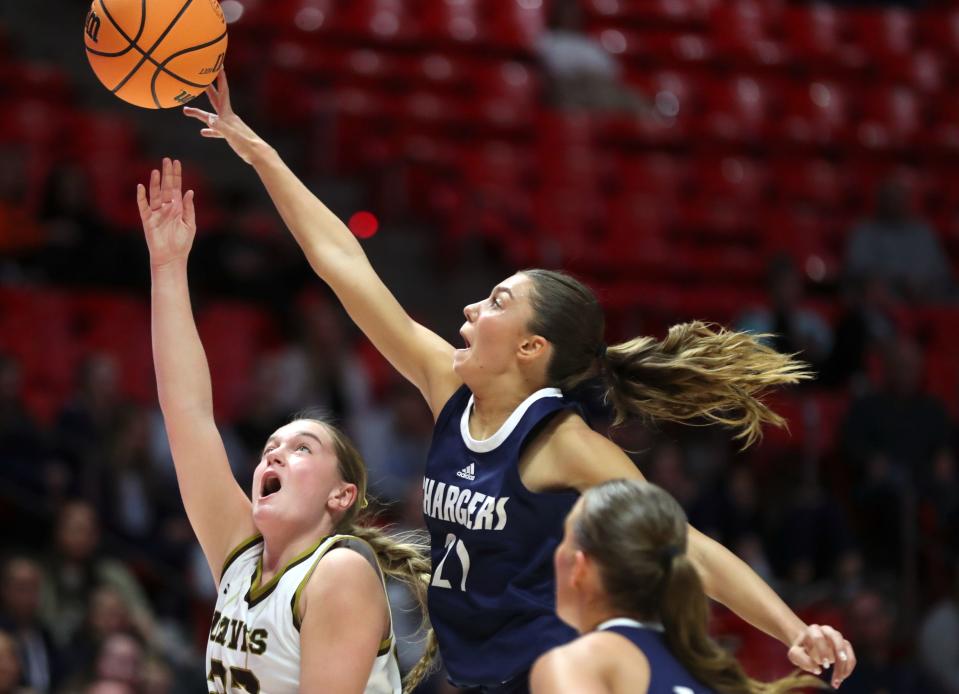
580, 569
343, 497
533, 347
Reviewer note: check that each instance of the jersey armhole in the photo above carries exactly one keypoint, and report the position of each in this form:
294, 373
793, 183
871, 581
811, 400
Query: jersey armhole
237, 551
364, 549
460, 394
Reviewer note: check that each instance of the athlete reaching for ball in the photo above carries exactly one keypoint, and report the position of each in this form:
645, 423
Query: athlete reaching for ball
301, 603
511, 452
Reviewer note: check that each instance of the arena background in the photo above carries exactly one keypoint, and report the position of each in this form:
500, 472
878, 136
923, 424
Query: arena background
768, 165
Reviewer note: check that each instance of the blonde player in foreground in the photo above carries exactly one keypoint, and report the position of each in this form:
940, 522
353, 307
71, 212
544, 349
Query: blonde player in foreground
625, 583
301, 602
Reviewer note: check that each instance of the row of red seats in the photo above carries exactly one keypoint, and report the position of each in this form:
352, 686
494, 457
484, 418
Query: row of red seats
509, 26
773, 34
50, 332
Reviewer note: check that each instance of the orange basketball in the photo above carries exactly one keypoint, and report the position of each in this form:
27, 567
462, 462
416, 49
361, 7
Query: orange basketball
155, 53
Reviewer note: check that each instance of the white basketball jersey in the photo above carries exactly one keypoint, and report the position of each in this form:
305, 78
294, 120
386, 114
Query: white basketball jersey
254, 643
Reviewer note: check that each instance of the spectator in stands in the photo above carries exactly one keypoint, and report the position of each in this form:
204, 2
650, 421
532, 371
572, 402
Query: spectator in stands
884, 667
891, 438
938, 643
107, 614
20, 234
794, 328
81, 246
21, 442
75, 569
864, 325
88, 424
395, 439
118, 666
899, 249
245, 256
20, 616
321, 368
580, 73
11, 670
131, 497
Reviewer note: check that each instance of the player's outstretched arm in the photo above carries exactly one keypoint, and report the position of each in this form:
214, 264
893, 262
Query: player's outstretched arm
337, 257
218, 509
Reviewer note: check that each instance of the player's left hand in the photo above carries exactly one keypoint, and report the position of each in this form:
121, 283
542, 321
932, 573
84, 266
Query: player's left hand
819, 647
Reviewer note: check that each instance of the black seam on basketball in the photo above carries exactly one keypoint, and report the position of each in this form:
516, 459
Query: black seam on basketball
147, 55
161, 67
132, 42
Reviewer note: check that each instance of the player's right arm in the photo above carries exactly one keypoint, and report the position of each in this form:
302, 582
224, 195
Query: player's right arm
218, 509
420, 355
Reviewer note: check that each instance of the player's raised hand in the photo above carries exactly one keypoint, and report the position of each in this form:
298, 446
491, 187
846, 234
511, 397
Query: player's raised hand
819, 647
224, 123
169, 221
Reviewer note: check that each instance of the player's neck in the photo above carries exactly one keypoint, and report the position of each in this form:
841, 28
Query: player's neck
593, 614
280, 548
494, 402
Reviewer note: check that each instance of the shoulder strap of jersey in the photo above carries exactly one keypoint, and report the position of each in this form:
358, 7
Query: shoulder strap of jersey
365, 550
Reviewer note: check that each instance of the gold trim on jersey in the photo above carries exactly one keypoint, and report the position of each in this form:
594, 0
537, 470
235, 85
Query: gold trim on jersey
256, 593
387, 643
238, 550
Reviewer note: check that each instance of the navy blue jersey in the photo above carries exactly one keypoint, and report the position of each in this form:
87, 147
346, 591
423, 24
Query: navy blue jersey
666, 674
492, 592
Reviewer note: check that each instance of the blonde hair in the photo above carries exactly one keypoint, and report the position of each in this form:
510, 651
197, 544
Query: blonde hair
402, 556
698, 372
636, 533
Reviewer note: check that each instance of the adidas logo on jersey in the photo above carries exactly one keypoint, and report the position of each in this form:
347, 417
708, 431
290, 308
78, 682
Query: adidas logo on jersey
468, 472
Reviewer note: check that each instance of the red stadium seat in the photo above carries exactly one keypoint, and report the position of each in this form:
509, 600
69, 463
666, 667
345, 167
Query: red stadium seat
885, 35
514, 26
457, 23
891, 118
815, 114
814, 39
381, 21
743, 31
815, 182
939, 29
736, 110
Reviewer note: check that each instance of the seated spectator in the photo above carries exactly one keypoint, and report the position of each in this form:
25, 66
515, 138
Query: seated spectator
81, 247
864, 325
11, 671
885, 666
394, 440
938, 643
892, 438
794, 329
899, 249
87, 425
76, 568
20, 617
22, 445
580, 73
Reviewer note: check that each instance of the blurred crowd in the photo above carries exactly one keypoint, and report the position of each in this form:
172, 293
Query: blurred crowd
852, 515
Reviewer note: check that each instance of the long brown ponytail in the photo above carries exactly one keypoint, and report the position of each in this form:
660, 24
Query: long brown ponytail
636, 533
698, 372
402, 556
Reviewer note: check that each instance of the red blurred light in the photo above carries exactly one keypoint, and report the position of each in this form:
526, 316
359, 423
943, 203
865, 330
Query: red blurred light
364, 224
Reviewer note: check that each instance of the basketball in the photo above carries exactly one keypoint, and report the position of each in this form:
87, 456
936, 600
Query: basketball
155, 53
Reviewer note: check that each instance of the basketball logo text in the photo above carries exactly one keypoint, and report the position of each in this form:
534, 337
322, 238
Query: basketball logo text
184, 97
92, 26
216, 66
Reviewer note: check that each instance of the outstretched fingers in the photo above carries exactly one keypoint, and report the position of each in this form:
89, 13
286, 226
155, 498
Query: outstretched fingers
154, 190
189, 213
